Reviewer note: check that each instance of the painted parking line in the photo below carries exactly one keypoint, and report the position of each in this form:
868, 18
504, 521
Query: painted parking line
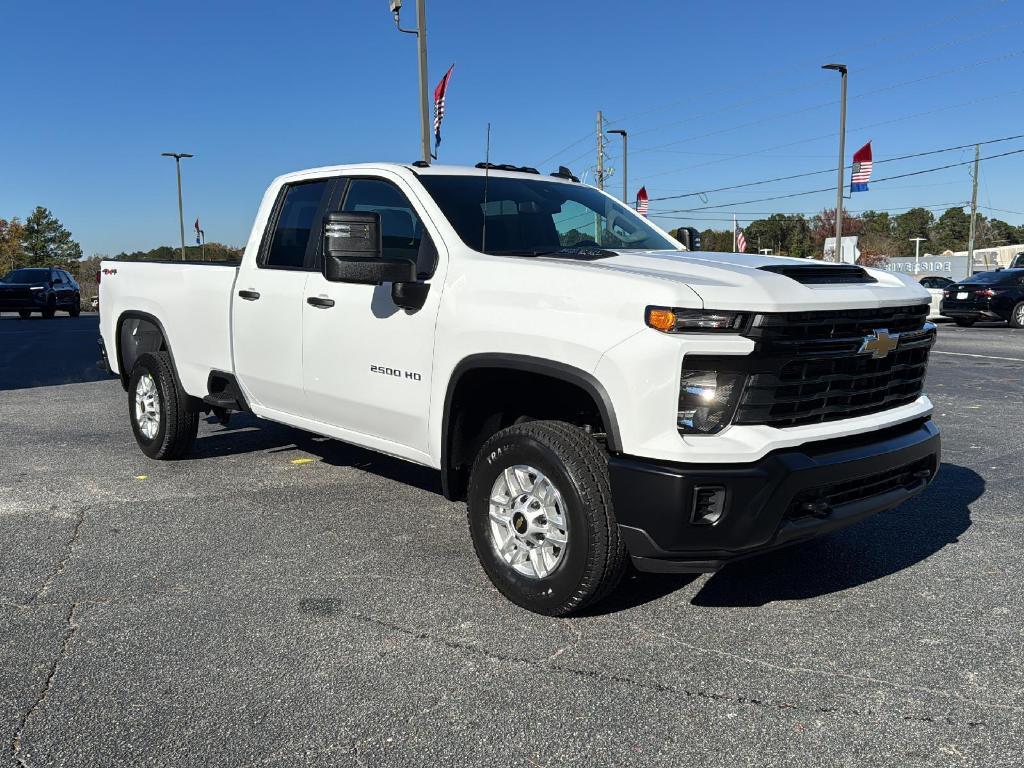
987, 357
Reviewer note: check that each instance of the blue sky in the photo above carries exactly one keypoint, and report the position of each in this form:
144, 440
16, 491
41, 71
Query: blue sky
713, 94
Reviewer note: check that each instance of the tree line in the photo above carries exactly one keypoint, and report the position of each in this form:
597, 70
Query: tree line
881, 234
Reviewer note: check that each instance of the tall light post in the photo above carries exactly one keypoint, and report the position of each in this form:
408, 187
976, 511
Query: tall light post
421, 41
625, 163
917, 253
841, 69
181, 214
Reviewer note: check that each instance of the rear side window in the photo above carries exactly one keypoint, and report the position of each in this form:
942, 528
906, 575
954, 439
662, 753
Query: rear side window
296, 220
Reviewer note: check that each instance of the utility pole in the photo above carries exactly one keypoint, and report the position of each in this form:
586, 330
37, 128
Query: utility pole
734, 233
917, 253
841, 69
625, 163
600, 150
181, 214
421, 41
974, 212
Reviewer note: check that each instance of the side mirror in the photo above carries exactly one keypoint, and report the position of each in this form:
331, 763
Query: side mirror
353, 251
408, 295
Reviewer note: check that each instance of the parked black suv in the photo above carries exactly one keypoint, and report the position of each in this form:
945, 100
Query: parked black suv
39, 289
995, 295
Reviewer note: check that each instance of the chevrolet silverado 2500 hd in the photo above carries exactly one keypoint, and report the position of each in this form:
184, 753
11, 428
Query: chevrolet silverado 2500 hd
595, 392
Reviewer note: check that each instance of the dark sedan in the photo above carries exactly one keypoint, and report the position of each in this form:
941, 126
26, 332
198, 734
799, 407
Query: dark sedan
40, 289
995, 295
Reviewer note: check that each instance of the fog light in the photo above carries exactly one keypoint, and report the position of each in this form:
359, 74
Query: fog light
708, 504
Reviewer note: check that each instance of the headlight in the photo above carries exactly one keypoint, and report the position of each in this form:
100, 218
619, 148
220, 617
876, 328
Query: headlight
707, 400
669, 320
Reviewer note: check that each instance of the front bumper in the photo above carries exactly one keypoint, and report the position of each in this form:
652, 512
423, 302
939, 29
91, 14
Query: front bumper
788, 496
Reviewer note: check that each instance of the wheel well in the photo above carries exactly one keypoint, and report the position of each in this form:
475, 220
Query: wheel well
137, 334
485, 400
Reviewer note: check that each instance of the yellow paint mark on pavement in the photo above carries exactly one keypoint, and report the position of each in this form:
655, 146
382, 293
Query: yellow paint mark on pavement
299, 462
142, 477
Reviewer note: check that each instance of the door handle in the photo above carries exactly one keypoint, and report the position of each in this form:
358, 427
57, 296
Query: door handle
249, 295
317, 301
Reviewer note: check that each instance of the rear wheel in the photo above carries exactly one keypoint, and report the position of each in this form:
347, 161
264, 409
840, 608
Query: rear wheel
24, 314
163, 420
541, 517
963, 323
1017, 316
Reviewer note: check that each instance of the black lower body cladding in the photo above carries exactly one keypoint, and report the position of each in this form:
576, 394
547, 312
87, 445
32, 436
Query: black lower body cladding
698, 517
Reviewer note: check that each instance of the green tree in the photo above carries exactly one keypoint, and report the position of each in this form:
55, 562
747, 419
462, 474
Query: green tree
876, 238
46, 242
715, 240
916, 222
951, 231
11, 234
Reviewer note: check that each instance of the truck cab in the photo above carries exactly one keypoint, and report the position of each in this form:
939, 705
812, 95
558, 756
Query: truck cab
595, 392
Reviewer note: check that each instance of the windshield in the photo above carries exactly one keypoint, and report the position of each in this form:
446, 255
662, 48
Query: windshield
992, 277
531, 217
27, 276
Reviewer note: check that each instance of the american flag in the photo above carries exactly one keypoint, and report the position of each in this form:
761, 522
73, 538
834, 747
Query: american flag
439, 92
861, 169
741, 241
642, 202
199, 233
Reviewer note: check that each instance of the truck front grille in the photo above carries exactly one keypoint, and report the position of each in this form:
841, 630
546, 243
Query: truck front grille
809, 368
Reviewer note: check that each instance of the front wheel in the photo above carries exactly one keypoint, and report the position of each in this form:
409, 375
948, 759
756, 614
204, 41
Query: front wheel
76, 308
24, 314
163, 421
541, 517
1017, 316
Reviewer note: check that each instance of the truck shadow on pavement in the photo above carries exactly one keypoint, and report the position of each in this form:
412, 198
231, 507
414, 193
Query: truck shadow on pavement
246, 434
872, 549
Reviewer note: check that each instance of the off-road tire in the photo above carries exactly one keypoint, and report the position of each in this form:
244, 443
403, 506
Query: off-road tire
179, 419
594, 558
1017, 316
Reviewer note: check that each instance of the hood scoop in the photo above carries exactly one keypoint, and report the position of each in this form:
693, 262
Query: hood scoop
821, 274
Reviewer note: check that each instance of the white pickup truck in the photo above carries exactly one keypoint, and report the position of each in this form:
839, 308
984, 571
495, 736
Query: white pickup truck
595, 392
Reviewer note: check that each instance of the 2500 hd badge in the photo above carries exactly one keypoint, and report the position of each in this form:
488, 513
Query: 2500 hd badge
398, 372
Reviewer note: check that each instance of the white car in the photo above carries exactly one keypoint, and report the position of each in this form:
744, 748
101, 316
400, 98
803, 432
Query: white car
935, 285
593, 390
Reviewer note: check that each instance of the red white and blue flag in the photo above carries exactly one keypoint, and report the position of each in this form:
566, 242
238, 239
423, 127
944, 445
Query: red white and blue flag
861, 169
439, 94
642, 201
199, 233
741, 241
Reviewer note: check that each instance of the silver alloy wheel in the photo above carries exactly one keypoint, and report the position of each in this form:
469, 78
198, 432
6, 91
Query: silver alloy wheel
147, 406
529, 524
1020, 314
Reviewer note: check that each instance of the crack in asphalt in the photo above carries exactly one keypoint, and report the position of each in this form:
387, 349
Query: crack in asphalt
19, 731
655, 686
65, 558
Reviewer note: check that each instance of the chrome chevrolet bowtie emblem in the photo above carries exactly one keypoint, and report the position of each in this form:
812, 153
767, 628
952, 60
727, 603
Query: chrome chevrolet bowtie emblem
880, 343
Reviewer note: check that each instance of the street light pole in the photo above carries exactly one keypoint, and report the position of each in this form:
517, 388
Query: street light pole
917, 253
625, 163
421, 43
841, 69
181, 213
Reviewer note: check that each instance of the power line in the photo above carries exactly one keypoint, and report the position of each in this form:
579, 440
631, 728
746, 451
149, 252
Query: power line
831, 170
805, 214
829, 189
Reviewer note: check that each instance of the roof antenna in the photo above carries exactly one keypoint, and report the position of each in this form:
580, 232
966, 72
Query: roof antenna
487, 171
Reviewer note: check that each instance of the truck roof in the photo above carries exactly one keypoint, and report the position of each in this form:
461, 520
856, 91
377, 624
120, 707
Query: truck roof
425, 170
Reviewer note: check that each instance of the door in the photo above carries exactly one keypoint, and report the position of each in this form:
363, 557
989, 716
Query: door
367, 363
266, 310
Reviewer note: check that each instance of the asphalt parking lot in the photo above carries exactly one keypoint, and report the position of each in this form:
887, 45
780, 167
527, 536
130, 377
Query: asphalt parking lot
280, 599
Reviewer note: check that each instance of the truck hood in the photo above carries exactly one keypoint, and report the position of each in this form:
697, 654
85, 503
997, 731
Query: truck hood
739, 281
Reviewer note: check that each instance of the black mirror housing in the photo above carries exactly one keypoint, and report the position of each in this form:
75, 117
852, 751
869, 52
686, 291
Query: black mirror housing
353, 251
410, 295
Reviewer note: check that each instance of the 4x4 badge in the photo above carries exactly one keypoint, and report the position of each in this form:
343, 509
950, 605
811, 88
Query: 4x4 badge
880, 343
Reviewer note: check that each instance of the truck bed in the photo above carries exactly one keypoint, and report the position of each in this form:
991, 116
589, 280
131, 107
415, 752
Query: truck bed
190, 300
